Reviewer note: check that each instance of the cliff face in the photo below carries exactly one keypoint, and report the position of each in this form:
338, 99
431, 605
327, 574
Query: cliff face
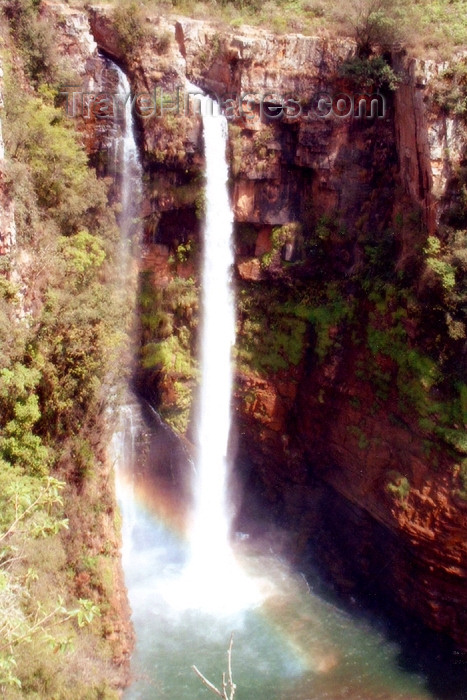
351, 353
7, 213
342, 413
82, 563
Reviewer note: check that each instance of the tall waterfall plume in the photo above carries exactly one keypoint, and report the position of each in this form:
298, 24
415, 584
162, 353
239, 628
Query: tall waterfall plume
214, 577
129, 173
129, 162
211, 522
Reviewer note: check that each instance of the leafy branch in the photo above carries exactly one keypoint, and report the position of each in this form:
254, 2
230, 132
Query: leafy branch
31, 516
84, 615
48, 496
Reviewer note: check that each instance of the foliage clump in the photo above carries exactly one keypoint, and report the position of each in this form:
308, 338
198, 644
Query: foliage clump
374, 24
30, 509
370, 73
442, 269
271, 333
19, 446
169, 321
35, 39
460, 472
130, 25
450, 92
281, 236
399, 487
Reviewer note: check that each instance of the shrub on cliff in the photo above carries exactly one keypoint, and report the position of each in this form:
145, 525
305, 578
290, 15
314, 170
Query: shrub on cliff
34, 37
129, 23
373, 23
29, 509
20, 411
450, 89
169, 321
370, 73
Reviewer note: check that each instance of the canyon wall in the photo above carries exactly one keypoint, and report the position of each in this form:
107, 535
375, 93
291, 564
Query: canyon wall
41, 305
351, 345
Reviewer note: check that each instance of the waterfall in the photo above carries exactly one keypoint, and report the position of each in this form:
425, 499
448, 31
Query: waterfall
122, 453
131, 171
210, 527
213, 580
296, 646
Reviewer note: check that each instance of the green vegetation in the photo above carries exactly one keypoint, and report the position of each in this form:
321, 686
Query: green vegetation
262, 139
281, 236
450, 89
172, 133
19, 446
445, 278
256, 153
374, 23
62, 323
372, 311
442, 25
325, 227
186, 251
443, 270
30, 509
133, 31
271, 334
399, 487
414, 377
130, 25
183, 196
169, 321
432, 26
369, 73
460, 472
274, 325
363, 440
327, 320
278, 320
35, 39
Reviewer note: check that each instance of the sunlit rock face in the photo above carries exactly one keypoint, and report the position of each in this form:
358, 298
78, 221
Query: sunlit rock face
312, 421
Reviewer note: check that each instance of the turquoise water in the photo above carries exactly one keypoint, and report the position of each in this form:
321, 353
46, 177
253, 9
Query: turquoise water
293, 645
289, 643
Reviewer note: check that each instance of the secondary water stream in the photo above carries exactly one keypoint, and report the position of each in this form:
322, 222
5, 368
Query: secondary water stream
189, 591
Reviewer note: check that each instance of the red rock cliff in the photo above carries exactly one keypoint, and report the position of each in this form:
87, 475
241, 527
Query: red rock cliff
325, 207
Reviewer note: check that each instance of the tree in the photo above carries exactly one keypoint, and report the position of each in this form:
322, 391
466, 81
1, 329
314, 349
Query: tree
129, 24
20, 410
373, 23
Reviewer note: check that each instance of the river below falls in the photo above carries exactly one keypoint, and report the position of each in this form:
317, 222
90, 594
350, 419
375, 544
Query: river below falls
289, 642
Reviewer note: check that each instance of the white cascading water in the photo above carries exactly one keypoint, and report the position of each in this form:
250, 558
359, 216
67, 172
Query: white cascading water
213, 579
122, 452
131, 171
211, 522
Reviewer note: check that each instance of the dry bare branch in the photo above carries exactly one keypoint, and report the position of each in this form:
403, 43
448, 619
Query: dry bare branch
228, 686
208, 683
